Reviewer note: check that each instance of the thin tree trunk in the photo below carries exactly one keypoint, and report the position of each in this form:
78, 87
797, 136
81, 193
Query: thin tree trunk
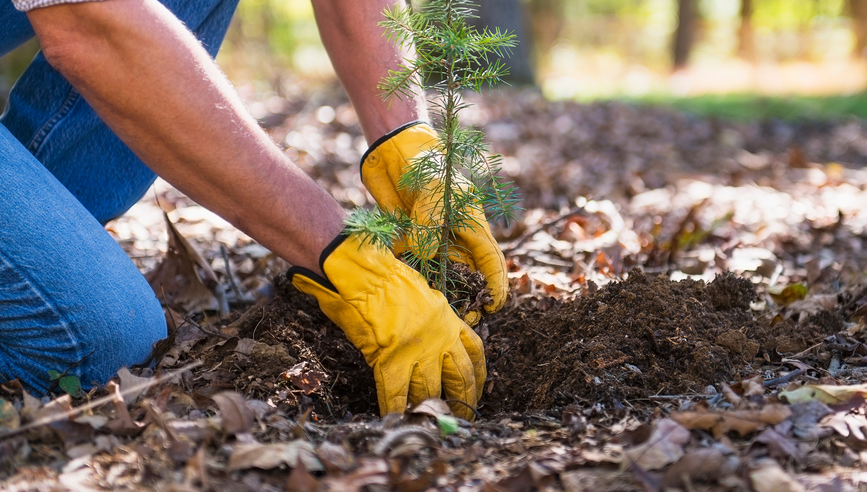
858, 12
546, 19
683, 35
509, 15
746, 43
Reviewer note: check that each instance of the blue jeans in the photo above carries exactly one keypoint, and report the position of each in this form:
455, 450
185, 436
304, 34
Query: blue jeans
70, 298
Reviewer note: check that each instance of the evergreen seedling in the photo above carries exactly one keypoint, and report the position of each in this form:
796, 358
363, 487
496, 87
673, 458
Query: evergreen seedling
456, 178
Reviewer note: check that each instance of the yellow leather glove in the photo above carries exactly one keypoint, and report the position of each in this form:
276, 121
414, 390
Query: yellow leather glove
417, 346
381, 168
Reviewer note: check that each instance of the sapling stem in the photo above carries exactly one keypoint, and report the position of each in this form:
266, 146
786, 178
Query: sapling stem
452, 56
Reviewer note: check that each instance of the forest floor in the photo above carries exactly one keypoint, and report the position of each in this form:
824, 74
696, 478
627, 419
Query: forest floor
687, 312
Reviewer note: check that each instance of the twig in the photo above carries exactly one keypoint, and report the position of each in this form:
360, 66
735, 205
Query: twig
238, 296
770, 383
98, 402
544, 225
675, 397
804, 352
455, 400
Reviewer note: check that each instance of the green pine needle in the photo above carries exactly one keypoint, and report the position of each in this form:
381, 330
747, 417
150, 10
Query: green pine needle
452, 56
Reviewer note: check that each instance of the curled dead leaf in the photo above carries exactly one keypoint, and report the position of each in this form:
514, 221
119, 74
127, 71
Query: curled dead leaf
701, 465
269, 456
308, 380
131, 386
741, 421
825, 393
664, 446
236, 415
433, 407
768, 476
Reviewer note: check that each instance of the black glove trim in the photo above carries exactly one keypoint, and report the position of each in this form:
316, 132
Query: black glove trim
326, 252
324, 282
381, 140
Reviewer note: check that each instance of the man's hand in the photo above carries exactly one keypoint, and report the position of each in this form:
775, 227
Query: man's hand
381, 168
416, 345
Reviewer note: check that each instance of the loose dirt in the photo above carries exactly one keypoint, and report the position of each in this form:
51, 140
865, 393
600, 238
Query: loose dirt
619, 345
633, 339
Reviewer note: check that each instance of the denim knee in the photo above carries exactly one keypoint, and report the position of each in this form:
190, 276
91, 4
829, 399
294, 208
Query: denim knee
123, 337
89, 334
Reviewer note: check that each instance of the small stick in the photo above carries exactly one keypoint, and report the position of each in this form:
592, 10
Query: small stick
675, 397
782, 379
455, 400
98, 402
799, 354
225, 253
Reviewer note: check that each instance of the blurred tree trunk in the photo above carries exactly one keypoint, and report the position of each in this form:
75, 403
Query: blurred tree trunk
684, 34
546, 19
746, 44
509, 15
858, 12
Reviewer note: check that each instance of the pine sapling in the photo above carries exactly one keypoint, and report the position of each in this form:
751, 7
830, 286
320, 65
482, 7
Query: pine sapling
455, 179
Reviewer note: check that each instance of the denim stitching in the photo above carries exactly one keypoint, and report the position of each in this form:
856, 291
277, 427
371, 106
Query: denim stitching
48, 127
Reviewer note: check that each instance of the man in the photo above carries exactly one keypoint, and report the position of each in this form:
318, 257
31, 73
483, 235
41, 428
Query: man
125, 90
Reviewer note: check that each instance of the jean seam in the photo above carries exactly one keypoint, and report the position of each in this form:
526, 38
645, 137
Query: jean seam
69, 334
42, 134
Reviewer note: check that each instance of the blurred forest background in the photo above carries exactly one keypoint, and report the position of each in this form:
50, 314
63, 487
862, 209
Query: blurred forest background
709, 56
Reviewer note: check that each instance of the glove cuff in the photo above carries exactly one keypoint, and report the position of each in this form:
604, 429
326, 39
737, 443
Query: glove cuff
326, 252
381, 140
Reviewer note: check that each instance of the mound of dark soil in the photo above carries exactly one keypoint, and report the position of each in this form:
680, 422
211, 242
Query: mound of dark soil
626, 341
643, 336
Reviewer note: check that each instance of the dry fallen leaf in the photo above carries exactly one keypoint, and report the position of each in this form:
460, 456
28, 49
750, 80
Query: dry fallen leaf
59, 411
768, 476
664, 446
335, 457
122, 424
741, 421
433, 407
522, 482
268, 456
128, 381
701, 465
184, 278
300, 480
371, 471
780, 446
847, 425
237, 416
825, 393
309, 380
785, 296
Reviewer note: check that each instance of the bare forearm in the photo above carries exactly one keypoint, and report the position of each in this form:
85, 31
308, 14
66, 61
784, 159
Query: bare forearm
152, 83
362, 56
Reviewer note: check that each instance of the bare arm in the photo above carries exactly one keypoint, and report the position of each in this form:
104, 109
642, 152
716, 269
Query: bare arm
362, 56
149, 79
